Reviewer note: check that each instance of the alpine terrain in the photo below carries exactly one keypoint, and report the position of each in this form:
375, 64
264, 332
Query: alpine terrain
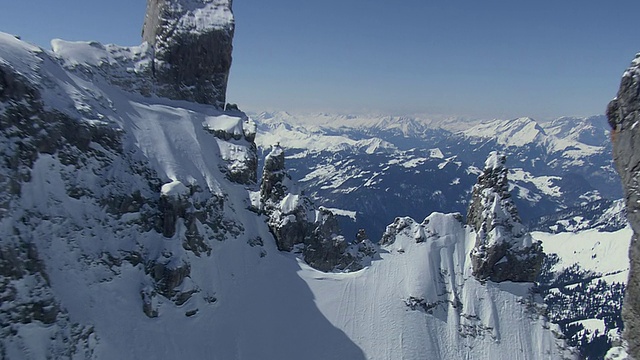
143, 217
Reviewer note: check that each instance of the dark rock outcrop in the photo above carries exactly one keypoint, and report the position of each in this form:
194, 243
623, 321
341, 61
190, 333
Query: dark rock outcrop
28, 301
192, 42
273, 188
504, 250
294, 221
624, 117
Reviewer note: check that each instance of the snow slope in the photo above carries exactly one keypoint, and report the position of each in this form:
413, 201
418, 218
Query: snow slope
420, 301
604, 253
583, 283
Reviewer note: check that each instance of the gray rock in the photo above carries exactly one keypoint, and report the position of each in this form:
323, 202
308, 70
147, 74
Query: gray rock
289, 226
28, 301
273, 188
192, 41
293, 220
503, 251
623, 114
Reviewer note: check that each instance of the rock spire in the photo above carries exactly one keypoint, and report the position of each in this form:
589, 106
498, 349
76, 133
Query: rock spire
504, 249
192, 44
297, 225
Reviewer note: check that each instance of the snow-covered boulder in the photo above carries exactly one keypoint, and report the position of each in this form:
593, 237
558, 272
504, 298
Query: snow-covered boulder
504, 249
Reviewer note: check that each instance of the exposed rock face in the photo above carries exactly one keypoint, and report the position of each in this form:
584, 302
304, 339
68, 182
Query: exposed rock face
503, 250
293, 220
192, 42
28, 300
273, 188
624, 116
90, 163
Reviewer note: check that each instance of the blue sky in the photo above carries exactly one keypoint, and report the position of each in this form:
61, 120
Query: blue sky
468, 58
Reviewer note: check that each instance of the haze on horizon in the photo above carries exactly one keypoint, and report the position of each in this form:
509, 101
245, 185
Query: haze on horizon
489, 59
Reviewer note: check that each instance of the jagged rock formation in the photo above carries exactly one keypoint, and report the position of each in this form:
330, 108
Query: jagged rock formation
192, 43
293, 220
504, 250
624, 116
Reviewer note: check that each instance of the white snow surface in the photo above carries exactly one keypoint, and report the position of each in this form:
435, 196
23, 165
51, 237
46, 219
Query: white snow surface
174, 189
310, 140
517, 132
605, 253
467, 319
542, 183
204, 15
252, 302
552, 137
24, 58
495, 161
341, 212
94, 54
226, 123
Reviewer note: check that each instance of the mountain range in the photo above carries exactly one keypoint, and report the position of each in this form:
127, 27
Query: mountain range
374, 168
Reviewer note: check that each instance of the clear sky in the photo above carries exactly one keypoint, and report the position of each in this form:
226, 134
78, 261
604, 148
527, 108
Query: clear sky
475, 58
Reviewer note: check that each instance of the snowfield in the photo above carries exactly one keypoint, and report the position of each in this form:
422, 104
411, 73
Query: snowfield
420, 301
605, 253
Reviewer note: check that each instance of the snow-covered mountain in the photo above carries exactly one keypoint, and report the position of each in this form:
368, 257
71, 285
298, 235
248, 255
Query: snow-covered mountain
129, 230
375, 168
561, 180
133, 224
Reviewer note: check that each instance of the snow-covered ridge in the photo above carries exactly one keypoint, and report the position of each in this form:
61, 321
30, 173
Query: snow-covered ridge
24, 58
292, 137
128, 67
404, 125
94, 54
517, 132
559, 136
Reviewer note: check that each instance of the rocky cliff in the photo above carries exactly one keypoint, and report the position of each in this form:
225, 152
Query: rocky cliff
624, 116
192, 44
503, 250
